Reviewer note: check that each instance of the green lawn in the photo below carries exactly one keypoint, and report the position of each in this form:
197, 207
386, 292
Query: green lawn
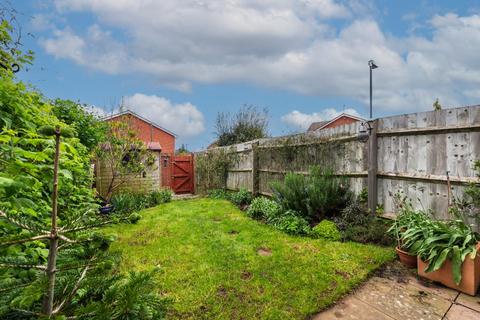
208, 252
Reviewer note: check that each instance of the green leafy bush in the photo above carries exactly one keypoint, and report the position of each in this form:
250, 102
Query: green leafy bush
262, 208
315, 196
356, 224
218, 194
242, 197
326, 229
290, 222
128, 201
164, 195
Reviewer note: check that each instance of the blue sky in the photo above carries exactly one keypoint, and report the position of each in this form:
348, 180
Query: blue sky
180, 62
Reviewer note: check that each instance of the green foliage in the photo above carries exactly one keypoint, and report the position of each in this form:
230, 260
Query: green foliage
128, 202
246, 125
242, 197
163, 195
218, 194
291, 223
90, 129
26, 175
467, 207
326, 229
131, 296
436, 241
211, 168
262, 208
11, 56
316, 196
358, 225
182, 150
436, 105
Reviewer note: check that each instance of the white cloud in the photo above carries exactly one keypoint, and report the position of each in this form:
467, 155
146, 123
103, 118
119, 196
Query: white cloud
304, 120
184, 119
287, 44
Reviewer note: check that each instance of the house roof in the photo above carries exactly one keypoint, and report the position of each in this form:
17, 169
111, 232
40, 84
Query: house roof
322, 124
139, 117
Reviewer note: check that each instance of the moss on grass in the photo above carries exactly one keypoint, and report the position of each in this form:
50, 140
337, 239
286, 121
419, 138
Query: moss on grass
211, 268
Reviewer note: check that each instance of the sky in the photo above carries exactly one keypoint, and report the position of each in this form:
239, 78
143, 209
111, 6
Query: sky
180, 62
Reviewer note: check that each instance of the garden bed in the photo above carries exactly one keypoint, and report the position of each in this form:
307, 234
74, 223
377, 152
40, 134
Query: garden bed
216, 263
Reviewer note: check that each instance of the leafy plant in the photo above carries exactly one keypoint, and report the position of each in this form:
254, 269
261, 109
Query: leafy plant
218, 194
290, 222
437, 241
242, 197
262, 208
326, 229
316, 196
128, 201
211, 168
358, 225
163, 195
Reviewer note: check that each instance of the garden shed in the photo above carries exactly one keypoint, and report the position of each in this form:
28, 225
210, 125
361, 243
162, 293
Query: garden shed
160, 144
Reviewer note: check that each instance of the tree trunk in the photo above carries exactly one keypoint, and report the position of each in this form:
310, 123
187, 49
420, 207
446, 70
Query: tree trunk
52, 251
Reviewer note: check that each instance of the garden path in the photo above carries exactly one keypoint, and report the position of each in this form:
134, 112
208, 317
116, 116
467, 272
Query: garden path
396, 293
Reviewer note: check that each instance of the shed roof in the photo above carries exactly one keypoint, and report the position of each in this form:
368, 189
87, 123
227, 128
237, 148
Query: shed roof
322, 124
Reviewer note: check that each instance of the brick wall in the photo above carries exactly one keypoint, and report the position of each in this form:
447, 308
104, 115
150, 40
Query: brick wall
147, 133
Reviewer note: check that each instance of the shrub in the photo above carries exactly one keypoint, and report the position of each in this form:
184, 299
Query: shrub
356, 224
128, 201
326, 229
290, 222
315, 196
242, 197
164, 195
218, 194
263, 209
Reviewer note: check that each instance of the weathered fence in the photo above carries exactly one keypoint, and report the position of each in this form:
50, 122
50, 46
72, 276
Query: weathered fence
418, 154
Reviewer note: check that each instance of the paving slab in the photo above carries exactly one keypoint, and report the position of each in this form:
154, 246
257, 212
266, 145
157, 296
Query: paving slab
395, 292
469, 301
402, 301
351, 308
459, 312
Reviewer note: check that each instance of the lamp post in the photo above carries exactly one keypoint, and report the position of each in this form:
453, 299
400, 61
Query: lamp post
371, 65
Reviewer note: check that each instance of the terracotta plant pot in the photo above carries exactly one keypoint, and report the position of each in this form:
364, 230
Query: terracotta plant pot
406, 258
470, 274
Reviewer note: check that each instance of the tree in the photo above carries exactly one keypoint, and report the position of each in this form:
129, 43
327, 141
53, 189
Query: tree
182, 150
88, 126
247, 124
123, 155
37, 175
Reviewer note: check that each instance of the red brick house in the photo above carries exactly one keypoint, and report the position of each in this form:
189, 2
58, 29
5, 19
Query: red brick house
340, 120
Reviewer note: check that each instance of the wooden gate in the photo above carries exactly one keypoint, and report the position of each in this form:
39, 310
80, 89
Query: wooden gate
182, 174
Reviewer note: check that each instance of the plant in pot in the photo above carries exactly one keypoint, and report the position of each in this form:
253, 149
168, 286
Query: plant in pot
447, 253
406, 219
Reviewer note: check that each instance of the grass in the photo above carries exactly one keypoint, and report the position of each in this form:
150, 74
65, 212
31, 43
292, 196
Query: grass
208, 252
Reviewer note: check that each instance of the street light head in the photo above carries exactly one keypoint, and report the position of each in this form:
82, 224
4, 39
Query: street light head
372, 64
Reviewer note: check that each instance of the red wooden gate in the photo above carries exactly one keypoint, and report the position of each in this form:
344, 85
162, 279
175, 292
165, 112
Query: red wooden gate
182, 174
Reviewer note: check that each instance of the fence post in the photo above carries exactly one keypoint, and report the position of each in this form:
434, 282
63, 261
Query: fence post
255, 177
372, 168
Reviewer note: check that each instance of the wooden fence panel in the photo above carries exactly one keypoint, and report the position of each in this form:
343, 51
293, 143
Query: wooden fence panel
414, 154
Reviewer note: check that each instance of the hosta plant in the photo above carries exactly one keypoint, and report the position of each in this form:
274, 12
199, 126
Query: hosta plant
438, 241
